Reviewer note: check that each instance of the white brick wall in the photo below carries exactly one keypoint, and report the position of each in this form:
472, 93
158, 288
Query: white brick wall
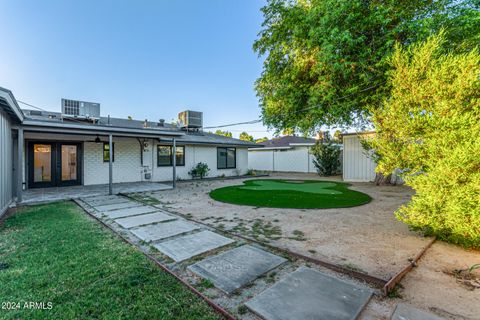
126, 167
196, 154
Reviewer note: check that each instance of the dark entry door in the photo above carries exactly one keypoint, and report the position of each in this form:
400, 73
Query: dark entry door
53, 164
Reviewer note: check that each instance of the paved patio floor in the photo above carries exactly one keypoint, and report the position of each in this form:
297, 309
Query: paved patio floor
40, 195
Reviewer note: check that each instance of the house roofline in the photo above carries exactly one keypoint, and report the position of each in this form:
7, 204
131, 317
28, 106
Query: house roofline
269, 148
302, 144
7, 96
203, 143
361, 133
44, 126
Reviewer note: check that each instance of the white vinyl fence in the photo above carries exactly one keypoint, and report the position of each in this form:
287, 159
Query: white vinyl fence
296, 159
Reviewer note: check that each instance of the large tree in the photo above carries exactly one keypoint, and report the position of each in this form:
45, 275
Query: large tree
430, 127
325, 59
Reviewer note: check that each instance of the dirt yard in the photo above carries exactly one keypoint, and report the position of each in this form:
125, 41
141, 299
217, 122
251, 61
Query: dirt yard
367, 238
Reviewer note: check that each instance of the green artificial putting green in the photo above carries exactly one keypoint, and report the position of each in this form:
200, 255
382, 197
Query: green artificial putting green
299, 194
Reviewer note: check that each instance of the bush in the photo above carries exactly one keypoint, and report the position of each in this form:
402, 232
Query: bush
199, 171
327, 158
430, 126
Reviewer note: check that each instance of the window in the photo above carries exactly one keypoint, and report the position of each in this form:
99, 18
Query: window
165, 159
106, 153
226, 158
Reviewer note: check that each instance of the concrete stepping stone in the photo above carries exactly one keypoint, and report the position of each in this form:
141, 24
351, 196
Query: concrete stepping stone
235, 268
127, 212
144, 219
186, 247
310, 294
107, 201
163, 230
407, 312
100, 198
116, 206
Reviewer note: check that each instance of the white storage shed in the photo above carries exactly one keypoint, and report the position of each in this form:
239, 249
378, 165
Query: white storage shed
358, 165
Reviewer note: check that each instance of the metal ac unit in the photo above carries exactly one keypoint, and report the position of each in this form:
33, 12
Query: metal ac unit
191, 119
80, 109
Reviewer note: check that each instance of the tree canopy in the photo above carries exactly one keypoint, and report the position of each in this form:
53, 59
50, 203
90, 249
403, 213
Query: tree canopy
223, 133
260, 140
246, 137
325, 60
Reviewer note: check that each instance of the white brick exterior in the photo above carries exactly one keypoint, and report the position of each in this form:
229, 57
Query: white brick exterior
195, 154
127, 165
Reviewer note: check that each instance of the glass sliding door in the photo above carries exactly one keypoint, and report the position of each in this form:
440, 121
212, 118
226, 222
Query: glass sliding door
53, 164
69, 162
42, 163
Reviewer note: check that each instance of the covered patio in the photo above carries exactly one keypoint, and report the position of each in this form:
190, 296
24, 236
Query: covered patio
44, 144
39, 195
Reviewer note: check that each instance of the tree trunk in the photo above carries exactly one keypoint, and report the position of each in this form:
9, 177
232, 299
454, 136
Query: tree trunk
381, 179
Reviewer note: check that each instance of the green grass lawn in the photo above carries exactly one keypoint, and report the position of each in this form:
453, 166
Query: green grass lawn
55, 253
300, 194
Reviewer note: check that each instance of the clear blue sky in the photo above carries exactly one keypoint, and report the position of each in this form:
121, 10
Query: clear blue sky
147, 59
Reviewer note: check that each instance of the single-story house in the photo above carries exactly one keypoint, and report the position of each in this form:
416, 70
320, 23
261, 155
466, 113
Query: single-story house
283, 154
77, 146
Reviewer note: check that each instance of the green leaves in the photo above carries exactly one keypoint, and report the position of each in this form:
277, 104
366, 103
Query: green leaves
246, 137
430, 126
327, 158
326, 61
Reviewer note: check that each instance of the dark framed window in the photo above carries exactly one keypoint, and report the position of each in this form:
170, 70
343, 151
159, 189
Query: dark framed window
165, 159
106, 153
226, 158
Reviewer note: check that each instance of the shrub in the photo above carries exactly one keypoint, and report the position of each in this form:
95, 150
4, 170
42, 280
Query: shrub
430, 127
199, 171
327, 158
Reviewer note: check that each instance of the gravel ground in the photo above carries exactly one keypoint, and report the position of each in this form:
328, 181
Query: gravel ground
336, 235
367, 238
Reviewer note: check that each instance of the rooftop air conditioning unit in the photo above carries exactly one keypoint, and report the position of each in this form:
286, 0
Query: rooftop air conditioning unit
80, 109
191, 119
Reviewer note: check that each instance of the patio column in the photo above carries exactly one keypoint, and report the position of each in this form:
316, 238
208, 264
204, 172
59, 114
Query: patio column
174, 162
19, 166
110, 164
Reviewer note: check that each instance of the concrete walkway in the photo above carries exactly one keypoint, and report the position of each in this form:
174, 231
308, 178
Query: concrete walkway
39, 195
232, 266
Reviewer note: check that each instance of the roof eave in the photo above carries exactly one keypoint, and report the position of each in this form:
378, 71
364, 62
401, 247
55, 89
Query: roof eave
8, 96
270, 148
32, 124
361, 133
